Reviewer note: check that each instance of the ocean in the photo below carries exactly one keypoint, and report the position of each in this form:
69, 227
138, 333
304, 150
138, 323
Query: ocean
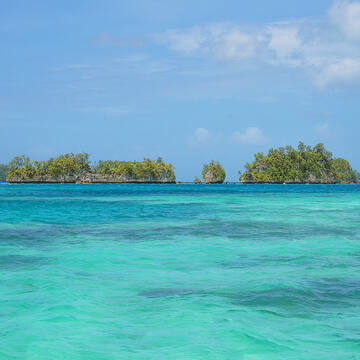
198, 272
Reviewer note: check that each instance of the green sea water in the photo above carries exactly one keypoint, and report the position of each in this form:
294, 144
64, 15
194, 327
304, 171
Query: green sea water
252, 272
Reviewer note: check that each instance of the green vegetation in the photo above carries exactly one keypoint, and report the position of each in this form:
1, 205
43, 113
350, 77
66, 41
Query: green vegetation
3, 171
213, 173
305, 164
78, 167
147, 169
64, 165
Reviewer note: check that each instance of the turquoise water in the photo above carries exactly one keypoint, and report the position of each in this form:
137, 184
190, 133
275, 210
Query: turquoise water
249, 272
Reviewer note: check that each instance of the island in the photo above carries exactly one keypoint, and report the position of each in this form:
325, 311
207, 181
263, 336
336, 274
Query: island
304, 165
213, 173
284, 165
77, 168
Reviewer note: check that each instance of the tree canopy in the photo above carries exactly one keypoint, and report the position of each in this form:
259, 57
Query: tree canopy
305, 164
213, 172
146, 169
71, 164
63, 165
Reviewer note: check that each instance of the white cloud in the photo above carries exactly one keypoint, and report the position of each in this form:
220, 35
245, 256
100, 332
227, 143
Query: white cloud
326, 49
236, 45
275, 44
285, 41
346, 15
345, 70
322, 128
202, 135
184, 41
251, 136
222, 41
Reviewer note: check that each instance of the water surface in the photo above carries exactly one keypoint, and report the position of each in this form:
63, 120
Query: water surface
105, 272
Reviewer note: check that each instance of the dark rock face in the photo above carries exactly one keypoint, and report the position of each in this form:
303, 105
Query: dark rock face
210, 178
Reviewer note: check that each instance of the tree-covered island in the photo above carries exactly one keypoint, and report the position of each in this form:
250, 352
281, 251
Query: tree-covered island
213, 173
77, 168
304, 165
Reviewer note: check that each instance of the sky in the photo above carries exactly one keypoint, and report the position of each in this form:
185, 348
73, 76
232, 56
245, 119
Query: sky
191, 81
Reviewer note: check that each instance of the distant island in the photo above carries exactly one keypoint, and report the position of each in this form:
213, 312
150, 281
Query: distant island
76, 168
285, 165
212, 173
304, 165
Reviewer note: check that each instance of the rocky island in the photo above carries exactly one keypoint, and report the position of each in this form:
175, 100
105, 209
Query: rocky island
285, 165
213, 173
304, 165
77, 168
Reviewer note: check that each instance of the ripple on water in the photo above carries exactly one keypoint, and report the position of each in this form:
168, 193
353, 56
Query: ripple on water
179, 272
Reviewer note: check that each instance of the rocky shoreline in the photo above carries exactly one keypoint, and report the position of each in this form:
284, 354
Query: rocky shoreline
91, 179
315, 182
304, 165
318, 182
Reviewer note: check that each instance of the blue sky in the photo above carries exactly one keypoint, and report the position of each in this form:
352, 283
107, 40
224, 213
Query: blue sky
188, 81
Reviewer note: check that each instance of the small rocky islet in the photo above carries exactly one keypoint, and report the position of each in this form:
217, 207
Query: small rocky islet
285, 165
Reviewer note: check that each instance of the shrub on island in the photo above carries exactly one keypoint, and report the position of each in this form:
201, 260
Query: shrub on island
306, 164
64, 166
213, 173
137, 171
76, 168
